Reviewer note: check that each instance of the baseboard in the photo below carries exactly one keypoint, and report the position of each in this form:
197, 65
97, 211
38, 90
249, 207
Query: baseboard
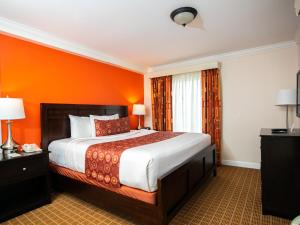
251, 165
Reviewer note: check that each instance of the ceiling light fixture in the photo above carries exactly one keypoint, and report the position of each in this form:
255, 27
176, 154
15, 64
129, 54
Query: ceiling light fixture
183, 15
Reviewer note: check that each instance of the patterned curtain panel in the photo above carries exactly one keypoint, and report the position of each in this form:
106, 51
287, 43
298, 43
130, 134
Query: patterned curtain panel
211, 107
161, 93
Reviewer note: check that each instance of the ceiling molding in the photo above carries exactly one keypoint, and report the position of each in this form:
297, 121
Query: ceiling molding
178, 66
37, 36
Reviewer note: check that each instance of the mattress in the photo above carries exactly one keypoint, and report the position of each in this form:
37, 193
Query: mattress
141, 166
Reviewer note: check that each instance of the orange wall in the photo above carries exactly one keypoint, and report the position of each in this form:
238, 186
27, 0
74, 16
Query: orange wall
40, 74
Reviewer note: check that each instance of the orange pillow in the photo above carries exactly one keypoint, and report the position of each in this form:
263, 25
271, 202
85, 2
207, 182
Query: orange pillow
110, 127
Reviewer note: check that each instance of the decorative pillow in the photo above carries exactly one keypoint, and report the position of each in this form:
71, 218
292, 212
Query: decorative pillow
80, 127
110, 127
93, 117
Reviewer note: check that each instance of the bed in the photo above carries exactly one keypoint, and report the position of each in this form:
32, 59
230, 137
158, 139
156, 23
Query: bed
154, 204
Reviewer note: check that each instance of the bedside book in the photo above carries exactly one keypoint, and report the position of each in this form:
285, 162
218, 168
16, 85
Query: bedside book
13, 155
279, 131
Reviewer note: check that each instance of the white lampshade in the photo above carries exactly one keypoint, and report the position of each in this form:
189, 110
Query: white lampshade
286, 97
138, 109
11, 109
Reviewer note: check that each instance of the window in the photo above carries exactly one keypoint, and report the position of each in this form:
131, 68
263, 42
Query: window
187, 102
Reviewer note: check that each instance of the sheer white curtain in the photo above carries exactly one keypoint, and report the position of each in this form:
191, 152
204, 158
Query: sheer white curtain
187, 102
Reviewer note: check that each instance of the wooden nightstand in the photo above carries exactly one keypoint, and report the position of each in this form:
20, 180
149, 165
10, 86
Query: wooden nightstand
24, 183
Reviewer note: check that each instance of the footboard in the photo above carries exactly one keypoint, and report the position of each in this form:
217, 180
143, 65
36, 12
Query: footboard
177, 186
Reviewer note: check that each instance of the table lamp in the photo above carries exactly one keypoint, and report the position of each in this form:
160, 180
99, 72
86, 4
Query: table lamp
139, 110
11, 109
286, 97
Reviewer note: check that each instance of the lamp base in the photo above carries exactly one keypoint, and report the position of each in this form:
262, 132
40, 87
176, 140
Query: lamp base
139, 126
9, 144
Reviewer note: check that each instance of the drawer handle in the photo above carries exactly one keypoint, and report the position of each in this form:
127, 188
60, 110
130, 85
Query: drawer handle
24, 168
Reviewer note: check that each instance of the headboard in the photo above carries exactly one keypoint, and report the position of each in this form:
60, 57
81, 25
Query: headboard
55, 123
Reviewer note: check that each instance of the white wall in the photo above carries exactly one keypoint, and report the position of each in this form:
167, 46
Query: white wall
250, 82
297, 38
298, 44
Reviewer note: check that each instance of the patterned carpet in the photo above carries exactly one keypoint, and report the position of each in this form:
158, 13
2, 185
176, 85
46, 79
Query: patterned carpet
233, 197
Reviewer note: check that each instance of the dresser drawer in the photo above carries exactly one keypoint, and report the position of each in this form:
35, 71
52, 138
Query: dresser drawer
23, 168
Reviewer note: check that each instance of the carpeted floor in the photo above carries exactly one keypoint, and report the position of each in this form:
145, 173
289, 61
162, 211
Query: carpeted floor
233, 197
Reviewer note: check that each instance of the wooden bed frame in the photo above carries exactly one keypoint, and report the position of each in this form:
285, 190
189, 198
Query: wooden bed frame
174, 187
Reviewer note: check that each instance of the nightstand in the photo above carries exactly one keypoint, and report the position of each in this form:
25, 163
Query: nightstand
24, 183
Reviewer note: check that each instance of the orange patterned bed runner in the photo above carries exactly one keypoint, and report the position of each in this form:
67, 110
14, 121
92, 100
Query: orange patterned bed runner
102, 160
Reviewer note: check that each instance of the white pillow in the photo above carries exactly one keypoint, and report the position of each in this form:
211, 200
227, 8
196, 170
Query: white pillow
92, 121
80, 127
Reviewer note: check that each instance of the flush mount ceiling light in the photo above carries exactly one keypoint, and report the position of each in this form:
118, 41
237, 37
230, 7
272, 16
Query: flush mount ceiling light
183, 15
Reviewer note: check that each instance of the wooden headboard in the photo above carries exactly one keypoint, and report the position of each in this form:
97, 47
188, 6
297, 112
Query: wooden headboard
55, 123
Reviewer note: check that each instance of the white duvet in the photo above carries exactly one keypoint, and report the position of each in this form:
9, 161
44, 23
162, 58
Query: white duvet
140, 167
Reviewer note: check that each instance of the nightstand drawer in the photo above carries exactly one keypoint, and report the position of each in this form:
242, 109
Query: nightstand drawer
23, 168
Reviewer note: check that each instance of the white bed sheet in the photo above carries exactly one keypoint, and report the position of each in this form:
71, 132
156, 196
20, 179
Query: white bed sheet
140, 166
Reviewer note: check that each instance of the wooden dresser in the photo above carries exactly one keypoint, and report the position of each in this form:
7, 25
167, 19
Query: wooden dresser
280, 173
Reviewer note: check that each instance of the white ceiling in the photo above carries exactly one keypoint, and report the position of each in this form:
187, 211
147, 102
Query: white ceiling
142, 33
